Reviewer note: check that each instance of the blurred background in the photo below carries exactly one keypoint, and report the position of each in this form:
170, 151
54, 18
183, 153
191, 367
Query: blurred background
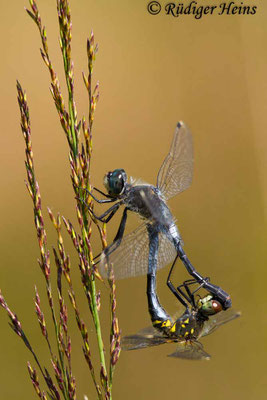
153, 71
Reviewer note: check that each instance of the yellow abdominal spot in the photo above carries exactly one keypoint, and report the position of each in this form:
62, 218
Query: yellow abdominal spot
192, 330
173, 328
186, 321
162, 324
182, 325
166, 323
186, 333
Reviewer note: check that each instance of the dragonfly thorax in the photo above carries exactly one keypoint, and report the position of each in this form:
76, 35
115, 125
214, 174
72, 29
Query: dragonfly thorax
146, 201
187, 327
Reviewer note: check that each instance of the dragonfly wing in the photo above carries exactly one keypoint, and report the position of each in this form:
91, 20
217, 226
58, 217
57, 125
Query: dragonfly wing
149, 331
131, 257
135, 342
166, 252
214, 322
175, 174
190, 350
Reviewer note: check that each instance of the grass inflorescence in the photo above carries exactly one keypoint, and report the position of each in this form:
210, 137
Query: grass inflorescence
61, 383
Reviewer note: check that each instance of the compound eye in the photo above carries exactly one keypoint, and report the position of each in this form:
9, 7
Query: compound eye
115, 182
216, 306
209, 306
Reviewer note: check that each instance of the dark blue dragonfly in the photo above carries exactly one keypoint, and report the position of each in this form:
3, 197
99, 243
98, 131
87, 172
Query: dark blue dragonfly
202, 316
130, 254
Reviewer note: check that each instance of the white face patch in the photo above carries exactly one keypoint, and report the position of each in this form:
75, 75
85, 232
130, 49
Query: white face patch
105, 181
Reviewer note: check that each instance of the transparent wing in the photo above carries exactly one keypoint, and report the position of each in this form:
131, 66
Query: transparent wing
217, 320
135, 342
167, 252
131, 257
175, 174
190, 350
149, 331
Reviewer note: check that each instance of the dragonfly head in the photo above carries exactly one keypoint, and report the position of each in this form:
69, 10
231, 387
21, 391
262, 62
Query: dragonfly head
208, 306
115, 182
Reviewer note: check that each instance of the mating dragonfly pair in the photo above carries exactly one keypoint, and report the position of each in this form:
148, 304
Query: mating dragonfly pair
200, 318
157, 241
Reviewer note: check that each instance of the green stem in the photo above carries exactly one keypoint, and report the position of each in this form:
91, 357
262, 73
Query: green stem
93, 305
97, 325
72, 124
98, 332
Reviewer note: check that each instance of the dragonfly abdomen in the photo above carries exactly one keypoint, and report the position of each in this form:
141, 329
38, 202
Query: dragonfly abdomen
159, 317
173, 231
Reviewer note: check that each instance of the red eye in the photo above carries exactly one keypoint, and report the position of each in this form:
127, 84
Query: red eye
216, 306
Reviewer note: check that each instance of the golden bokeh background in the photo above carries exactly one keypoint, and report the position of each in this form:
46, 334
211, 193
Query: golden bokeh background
153, 71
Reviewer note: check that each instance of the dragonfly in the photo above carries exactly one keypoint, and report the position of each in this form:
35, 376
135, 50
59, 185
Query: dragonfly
129, 254
200, 318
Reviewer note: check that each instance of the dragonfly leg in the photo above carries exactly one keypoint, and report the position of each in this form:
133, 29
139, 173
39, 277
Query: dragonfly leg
173, 289
118, 238
190, 295
200, 285
190, 282
101, 201
100, 191
110, 212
